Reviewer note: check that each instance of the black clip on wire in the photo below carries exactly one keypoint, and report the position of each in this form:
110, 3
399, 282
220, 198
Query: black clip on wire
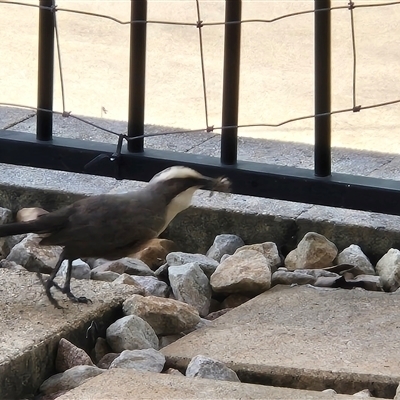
114, 158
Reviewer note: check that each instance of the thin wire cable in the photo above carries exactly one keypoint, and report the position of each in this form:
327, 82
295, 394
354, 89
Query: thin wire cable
353, 41
203, 73
257, 125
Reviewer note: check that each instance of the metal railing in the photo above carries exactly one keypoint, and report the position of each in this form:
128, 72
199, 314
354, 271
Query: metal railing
250, 178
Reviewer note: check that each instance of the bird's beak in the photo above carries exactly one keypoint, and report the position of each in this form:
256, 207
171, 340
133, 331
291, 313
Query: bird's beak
220, 184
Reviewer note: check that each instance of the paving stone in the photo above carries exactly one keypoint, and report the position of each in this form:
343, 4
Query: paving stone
346, 340
130, 385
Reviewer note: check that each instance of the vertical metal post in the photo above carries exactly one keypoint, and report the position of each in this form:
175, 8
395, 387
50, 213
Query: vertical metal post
322, 56
44, 119
230, 97
137, 74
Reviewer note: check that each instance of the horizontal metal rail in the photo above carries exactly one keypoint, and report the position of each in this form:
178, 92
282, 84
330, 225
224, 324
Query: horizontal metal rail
248, 178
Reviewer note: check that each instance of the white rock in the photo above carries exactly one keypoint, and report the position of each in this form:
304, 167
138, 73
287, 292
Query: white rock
313, 251
363, 393
353, 255
205, 367
224, 244
131, 333
80, 269
245, 272
141, 360
190, 285
268, 250
388, 269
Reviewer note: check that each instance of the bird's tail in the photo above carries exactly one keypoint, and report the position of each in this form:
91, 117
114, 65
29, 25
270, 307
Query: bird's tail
43, 224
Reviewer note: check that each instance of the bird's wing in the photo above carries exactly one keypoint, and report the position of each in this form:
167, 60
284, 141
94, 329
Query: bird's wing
100, 224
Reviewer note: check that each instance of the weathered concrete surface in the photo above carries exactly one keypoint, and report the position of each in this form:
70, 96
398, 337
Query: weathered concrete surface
31, 327
306, 338
128, 384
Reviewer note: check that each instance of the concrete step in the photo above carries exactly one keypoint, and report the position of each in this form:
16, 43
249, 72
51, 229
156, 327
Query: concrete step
305, 338
125, 384
31, 327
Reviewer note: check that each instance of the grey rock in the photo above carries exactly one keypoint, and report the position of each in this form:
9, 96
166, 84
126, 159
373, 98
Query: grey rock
11, 265
388, 269
317, 272
141, 360
162, 270
165, 316
397, 396
68, 356
234, 300
134, 266
224, 244
101, 348
107, 360
131, 333
70, 379
313, 251
204, 367
153, 286
326, 281
80, 269
190, 285
353, 255
207, 264
34, 257
246, 272
291, 278
105, 276
7, 243
130, 266
224, 257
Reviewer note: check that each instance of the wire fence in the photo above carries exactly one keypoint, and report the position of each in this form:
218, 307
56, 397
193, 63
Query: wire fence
201, 24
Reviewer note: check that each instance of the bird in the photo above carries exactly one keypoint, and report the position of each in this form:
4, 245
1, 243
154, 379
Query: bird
112, 226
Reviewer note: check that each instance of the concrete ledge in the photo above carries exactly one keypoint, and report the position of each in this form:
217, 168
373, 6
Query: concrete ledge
31, 327
129, 384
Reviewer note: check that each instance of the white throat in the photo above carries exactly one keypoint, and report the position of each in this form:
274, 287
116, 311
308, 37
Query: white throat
178, 204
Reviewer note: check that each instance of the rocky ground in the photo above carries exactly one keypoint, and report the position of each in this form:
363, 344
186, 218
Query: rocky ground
178, 292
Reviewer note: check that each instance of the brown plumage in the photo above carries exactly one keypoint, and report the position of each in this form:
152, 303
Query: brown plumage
113, 226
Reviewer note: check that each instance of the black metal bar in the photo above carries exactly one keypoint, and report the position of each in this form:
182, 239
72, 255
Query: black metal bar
44, 119
230, 97
322, 32
249, 178
137, 74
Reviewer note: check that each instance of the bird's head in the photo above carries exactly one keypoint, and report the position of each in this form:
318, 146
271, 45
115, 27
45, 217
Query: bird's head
178, 185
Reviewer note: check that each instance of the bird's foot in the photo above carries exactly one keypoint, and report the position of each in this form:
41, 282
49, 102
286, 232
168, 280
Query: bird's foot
73, 298
47, 285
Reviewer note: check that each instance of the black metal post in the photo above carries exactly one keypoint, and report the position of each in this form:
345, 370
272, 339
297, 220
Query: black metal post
230, 97
44, 119
322, 32
137, 74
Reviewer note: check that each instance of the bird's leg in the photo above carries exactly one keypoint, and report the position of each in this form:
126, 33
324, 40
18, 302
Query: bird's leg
67, 287
50, 282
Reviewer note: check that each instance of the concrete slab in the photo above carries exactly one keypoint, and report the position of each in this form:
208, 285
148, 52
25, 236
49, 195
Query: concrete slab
305, 338
31, 327
124, 384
